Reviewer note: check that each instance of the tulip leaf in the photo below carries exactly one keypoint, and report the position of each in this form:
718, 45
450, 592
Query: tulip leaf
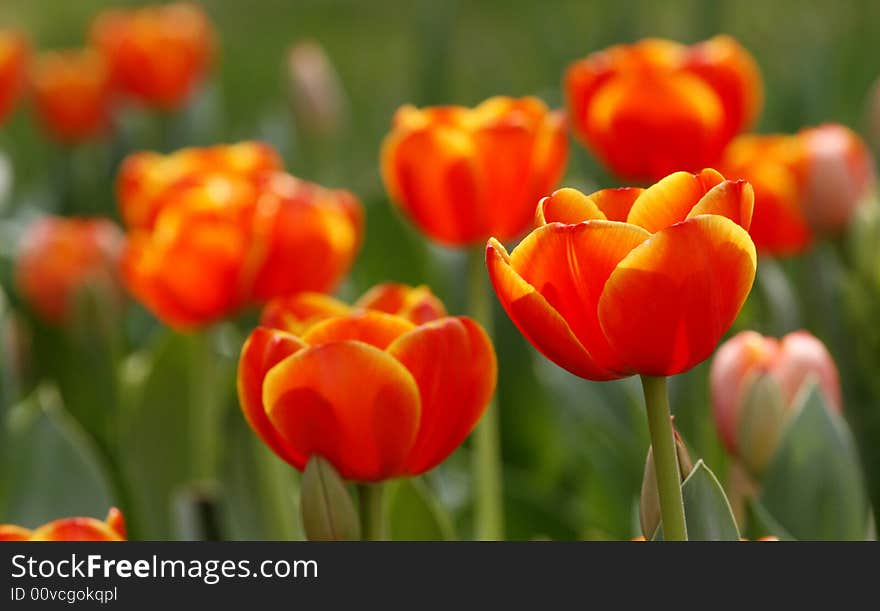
415, 515
55, 472
328, 513
813, 486
762, 524
706, 509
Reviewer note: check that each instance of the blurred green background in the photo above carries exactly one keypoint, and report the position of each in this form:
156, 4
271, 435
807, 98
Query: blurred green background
573, 450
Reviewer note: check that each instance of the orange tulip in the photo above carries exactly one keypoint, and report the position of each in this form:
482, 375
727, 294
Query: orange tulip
157, 54
214, 230
71, 91
657, 106
464, 174
805, 184
60, 256
70, 529
14, 51
776, 167
376, 394
298, 312
789, 361
631, 281
840, 173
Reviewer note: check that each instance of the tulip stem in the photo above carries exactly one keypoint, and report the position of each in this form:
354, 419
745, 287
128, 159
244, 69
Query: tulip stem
487, 466
665, 458
372, 512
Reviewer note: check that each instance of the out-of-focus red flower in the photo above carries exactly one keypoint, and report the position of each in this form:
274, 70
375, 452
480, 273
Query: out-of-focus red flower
840, 175
59, 256
373, 393
214, 230
14, 52
789, 362
656, 106
157, 54
806, 184
296, 313
776, 167
70, 529
71, 92
631, 281
465, 174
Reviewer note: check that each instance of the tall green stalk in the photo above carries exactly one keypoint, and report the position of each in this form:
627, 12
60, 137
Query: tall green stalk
665, 458
487, 467
371, 512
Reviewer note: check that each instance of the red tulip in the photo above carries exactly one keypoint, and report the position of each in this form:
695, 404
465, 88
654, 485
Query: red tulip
654, 107
373, 393
60, 256
70, 529
71, 92
14, 51
631, 281
464, 174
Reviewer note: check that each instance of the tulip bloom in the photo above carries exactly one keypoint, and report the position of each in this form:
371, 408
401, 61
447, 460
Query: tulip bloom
70, 529
60, 256
71, 93
157, 54
375, 394
789, 362
805, 184
657, 106
631, 281
214, 230
14, 51
464, 174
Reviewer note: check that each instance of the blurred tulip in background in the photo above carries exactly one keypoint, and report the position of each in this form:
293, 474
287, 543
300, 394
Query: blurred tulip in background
70, 529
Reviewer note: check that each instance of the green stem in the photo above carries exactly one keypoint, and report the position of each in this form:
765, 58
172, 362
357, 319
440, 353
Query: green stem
120, 490
665, 458
203, 407
487, 467
371, 510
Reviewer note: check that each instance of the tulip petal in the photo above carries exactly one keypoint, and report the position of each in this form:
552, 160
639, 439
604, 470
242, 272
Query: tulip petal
733, 199
349, 402
671, 199
75, 529
453, 363
567, 206
375, 328
416, 304
671, 299
11, 532
298, 312
264, 349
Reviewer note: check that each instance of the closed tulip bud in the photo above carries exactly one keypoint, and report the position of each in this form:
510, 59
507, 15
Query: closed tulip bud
656, 106
315, 90
14, 51
649, 502
840, 176
631, 281
71, 93
158, 54
375, 394
328, 513
70, 529
60, 257
754, 383
462, 174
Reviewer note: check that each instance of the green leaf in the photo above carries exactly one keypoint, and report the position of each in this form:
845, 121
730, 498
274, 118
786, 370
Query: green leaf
761, 523
415, 515
328, 512
813, 486
55, 472
707, 512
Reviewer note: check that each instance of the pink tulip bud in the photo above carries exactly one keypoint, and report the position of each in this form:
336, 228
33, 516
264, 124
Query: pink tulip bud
790, 362
840, 175
315, 90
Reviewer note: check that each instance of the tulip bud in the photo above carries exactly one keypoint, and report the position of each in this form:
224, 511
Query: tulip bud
315, 90
840, 176
761, 422
755, 381
328, 513
649, 505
